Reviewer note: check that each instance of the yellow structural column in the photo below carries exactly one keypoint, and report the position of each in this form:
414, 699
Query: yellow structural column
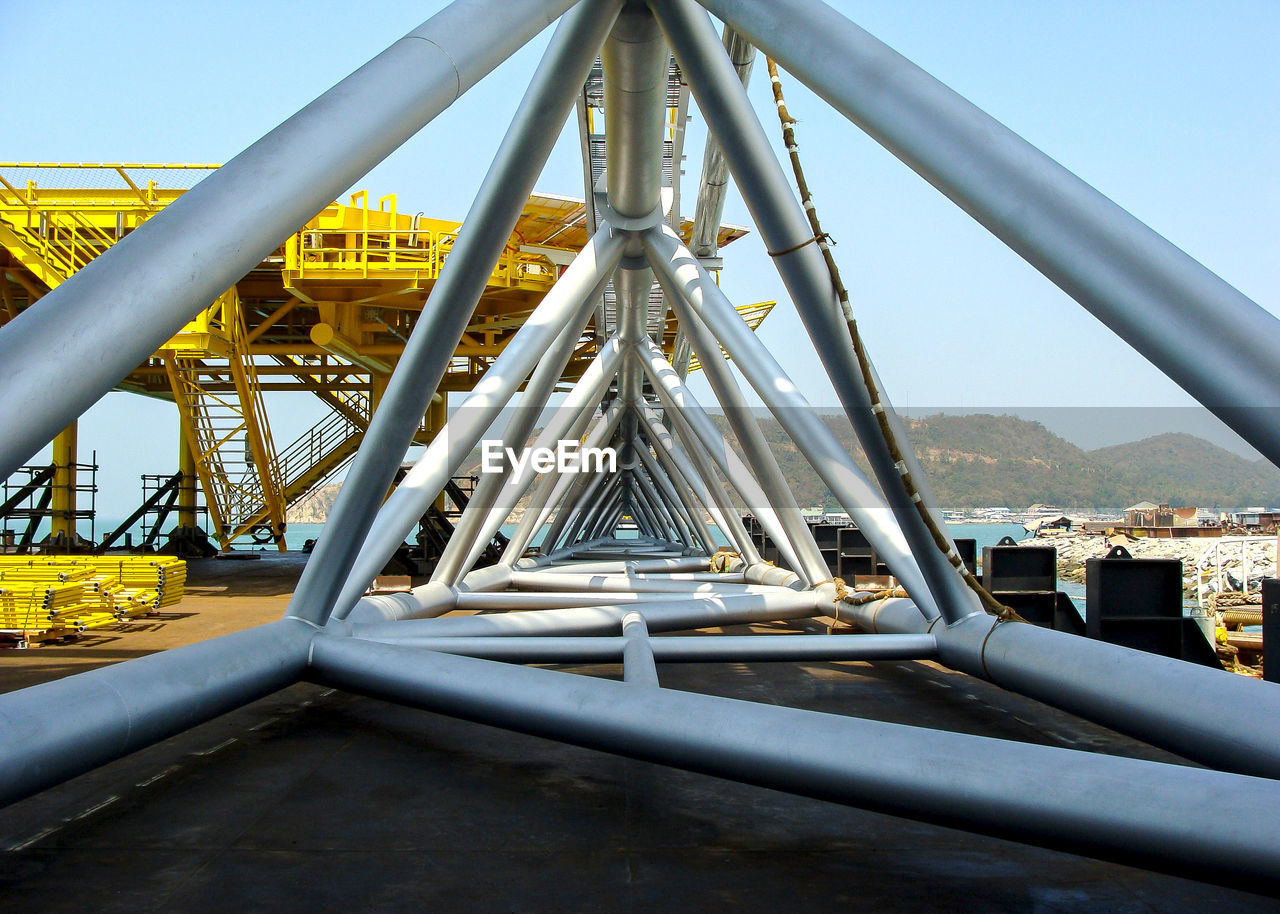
63, 502
437, 414
187, 485
377, 387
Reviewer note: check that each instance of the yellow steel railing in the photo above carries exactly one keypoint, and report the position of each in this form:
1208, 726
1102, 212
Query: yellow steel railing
359, 242
362, 253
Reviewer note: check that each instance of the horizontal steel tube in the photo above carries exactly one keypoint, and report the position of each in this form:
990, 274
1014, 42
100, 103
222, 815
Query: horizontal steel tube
677, 615
598, 582
431, 599
57, 730
1210, 716
782, 648
525, 600
1194, 822
681, 649
726, 577
631, 566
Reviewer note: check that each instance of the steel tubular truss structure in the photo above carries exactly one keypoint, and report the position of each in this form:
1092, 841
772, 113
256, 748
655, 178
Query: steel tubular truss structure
628, 555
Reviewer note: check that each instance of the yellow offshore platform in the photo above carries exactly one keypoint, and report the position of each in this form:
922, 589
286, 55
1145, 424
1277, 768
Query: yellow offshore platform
328, 313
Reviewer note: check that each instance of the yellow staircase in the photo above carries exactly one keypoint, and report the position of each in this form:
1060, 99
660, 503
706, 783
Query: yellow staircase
228, 434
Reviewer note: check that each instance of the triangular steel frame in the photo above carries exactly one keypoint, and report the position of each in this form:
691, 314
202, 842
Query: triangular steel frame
628, 554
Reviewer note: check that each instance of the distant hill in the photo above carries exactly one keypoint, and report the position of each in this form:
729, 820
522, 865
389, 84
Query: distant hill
976, 461
1190, 471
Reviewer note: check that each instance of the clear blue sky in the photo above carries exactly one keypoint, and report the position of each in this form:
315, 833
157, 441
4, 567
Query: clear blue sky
1170, 108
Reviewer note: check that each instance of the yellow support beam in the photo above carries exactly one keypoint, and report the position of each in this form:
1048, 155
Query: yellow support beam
63, 503
187, 486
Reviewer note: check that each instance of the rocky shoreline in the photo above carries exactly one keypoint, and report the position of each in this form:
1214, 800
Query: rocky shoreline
1196, 555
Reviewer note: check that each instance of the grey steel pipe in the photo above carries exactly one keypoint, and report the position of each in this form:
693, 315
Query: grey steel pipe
671, 500
600, 518
597, 508
676, 649
644, 508
453, 563
666, 529
704, 237
695, 465
57, 730
462, 280
577, 497
635, 61
694, 492
724, 577
592, 516
1168, 703
596, 496
679, 613
647, 490
637, 652
550, 492
598, 562
586, 392
432, 599
692, 422
516, 601
701, 300
681, 498
713, 183
785, 230
1194, 822
751, 439
608, 522
567, 553
523, 580
566, 303
1216, 343
632, 287
147, 286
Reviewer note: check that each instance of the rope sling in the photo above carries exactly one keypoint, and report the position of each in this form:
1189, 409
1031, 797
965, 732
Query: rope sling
879, 409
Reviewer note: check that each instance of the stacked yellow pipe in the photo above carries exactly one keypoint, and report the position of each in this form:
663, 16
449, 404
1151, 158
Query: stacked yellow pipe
36, 607
53, 595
